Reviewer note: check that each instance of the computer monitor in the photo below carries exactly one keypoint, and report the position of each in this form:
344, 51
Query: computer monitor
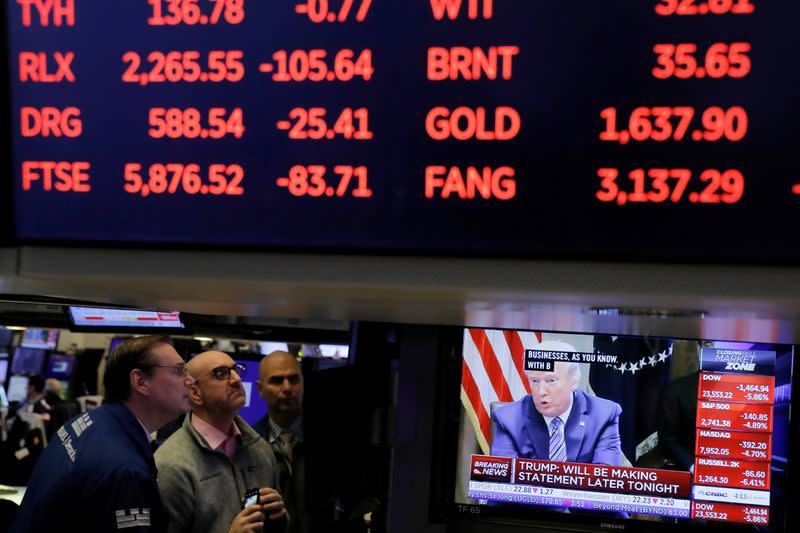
6, 335
17, 388
255, 408
3, 367
28, 360
94, 319
59, 366
46, 339
267, 347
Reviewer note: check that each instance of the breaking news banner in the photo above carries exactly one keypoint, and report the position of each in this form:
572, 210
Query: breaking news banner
579, 485
544, 360
759, 362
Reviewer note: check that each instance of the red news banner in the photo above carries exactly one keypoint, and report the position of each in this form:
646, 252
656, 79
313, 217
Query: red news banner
736, 388
580, 476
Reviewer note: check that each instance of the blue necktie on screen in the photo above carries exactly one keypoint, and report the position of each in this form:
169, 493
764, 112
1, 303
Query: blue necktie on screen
558, 448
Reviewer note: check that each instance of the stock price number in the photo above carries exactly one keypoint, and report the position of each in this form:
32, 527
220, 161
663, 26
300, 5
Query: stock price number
705, 450
720, 60
755, 454
311, 65
190, 123
710, 515
755, 519
319, 11
174, 67
756, 397
663, 185
713, 422
672, 123
717, 394
311, 124
190, 13
172, 178
713, 7
756, 483
717, 480
310, 181
752, 388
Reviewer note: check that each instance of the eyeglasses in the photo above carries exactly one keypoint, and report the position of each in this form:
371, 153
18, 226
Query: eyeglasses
178, 370
224, 372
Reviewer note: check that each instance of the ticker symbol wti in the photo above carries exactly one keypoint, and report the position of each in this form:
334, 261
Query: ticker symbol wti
46, 12
453, 9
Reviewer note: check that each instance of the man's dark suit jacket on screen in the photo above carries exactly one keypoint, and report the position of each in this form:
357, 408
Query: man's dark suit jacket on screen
592, 431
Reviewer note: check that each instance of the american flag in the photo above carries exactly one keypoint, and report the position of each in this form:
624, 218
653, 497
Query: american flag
493, 371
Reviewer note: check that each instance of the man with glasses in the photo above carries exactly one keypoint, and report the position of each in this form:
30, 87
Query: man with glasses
206, 467
97, 474
557, 422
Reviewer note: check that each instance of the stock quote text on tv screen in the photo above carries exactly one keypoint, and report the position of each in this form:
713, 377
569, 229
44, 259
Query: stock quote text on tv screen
633, 129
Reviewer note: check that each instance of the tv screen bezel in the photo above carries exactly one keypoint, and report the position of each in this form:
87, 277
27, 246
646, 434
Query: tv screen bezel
465, 517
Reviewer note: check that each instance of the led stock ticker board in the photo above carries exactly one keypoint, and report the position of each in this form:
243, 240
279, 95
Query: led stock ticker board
633, 129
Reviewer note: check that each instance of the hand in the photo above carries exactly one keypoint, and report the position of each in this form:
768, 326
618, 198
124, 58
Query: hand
272, 503
248, 520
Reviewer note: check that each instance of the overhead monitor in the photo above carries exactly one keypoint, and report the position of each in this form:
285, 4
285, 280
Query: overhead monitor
134, 320
255, 408
28, 360
46, 339
59, 366
645, 129
581, 430
17, 388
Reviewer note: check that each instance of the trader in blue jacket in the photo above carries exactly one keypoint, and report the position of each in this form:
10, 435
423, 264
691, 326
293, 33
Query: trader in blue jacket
97, 474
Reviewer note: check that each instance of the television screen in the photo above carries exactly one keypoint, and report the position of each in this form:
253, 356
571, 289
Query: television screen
558, 426
94, 318
28, 360
6, 335
46, 339
17, 388
59, 366
114, 343
255, 408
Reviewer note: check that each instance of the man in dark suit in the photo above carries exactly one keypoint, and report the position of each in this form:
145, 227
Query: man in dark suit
280, 383
557, 422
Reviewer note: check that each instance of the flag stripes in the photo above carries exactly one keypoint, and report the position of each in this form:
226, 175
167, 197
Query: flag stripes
493, 371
